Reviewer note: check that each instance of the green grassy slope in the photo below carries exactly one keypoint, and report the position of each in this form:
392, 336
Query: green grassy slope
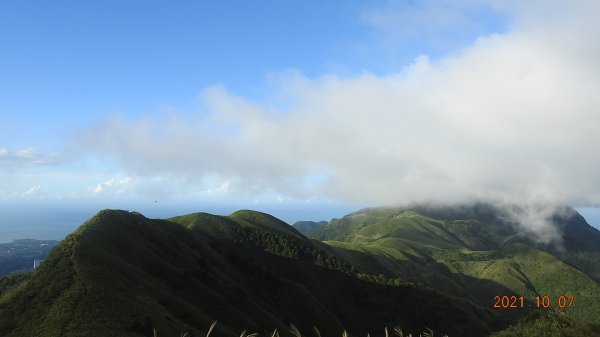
550, 324
530, 272
475, 253
121, 274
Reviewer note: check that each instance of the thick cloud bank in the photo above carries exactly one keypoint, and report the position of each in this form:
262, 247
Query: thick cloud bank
512, 117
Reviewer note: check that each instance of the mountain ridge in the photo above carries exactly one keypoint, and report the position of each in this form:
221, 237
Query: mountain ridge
123, 274
470, 241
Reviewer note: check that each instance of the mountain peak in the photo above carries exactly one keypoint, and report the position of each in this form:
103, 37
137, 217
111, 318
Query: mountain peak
109, 218
263, 221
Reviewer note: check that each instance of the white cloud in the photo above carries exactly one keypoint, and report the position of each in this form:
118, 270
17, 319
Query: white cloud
512, 117
32, 191
222, 189
432, 20
112, 186
28, 157
536, 220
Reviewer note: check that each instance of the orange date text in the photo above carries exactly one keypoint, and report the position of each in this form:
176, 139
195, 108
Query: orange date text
542, 302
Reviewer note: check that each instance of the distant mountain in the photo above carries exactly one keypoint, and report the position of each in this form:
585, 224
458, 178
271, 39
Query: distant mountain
308, 226
19, 255
121, 274
473, 251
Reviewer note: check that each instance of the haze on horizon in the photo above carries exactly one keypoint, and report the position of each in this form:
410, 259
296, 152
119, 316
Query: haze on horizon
302, 109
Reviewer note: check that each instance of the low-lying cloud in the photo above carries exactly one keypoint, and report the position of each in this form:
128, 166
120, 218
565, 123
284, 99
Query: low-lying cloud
511, 118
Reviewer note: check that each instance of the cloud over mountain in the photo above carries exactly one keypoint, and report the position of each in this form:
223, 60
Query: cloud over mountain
512, 117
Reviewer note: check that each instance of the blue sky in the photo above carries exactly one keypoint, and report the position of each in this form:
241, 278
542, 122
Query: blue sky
306, 109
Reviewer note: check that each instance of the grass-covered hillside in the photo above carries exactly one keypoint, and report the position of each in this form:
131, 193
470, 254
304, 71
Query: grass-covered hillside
121, 274
474, 252
550, 324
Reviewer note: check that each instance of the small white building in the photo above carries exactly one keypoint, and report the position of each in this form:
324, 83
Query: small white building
36, 263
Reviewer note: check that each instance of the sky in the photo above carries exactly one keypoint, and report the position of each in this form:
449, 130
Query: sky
304, 109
